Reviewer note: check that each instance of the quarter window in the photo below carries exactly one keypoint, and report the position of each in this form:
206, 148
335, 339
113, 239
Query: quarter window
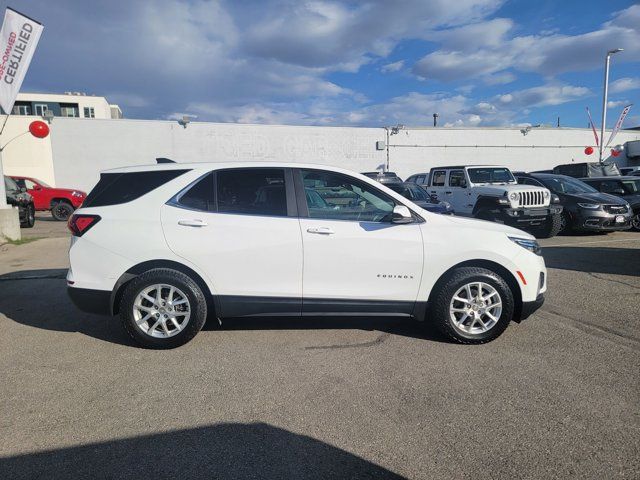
252, 191
334, 196
438, 178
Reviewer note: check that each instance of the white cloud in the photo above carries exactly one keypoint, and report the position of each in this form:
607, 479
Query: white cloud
624, 84
617, 103
552, 94
483, 49
392, 67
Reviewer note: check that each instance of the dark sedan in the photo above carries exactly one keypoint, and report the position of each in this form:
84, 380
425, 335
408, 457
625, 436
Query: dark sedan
627, 188
585, 208
420, 197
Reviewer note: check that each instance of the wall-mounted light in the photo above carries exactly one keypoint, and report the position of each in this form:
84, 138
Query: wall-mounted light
186, 119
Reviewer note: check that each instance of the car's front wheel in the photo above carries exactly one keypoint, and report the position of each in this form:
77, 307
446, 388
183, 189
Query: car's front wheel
163, 308
473, 305
635, 221
29, 218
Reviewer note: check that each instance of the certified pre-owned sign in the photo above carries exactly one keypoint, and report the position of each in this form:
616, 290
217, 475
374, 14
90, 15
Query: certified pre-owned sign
18, 40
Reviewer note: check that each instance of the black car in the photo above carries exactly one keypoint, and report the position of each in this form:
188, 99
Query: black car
585, 208
627, 188
18, 197
383, 177
420, 197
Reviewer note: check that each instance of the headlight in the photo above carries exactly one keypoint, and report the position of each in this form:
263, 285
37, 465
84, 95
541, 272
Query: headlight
446, 205
546, 194
76, 194
513, 196
589, 206
530, 245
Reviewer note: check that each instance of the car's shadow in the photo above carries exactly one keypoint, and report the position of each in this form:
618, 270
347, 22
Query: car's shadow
222, 451
615, 261
38, 298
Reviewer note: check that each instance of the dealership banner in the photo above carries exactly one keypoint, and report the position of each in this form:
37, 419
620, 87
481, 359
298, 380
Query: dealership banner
618, 126
18, 40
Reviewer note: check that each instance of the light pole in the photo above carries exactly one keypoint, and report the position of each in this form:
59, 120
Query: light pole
604, 97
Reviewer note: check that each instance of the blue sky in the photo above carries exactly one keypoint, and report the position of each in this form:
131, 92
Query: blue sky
343, 62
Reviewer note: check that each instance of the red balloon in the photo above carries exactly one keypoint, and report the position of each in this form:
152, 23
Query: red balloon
615, 152
39, 129
588, 150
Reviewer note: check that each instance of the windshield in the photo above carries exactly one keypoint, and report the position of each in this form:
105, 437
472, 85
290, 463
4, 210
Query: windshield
632, 187
411, 191
491, 175
567, 185
10, 184
44, 184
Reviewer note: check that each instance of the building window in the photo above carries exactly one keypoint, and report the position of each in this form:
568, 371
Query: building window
89, 112
69, 110
41, 108
21, 109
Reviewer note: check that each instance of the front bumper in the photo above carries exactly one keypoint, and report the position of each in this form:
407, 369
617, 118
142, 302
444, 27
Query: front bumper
529, 216
91, 301
528, 308
600, 221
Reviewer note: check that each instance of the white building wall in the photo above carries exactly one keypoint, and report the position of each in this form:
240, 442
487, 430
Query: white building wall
79, 149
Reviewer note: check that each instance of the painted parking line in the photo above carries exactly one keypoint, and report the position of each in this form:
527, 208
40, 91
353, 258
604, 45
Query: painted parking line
627, 240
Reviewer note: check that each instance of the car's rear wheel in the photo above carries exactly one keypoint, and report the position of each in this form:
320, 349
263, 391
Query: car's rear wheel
474, 305
163, 308
61, 211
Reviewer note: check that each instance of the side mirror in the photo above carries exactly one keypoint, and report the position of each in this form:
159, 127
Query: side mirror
401, 214
37, 187
434, 197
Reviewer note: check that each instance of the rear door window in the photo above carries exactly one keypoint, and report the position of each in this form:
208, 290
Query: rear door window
252, 191
456, 178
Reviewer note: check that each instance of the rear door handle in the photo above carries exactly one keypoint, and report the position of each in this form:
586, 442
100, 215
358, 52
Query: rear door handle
449, 193
192, 223
321, 230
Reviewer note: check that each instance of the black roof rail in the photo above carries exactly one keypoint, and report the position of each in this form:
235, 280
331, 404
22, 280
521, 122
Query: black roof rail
164, 160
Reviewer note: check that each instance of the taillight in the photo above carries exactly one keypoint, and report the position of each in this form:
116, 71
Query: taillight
79, 224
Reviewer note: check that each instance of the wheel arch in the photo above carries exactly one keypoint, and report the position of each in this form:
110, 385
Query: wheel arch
140, 268
56, 200
485, 202
505, 273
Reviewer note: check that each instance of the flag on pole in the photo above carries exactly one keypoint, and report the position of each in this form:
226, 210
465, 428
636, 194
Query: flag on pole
18, 40
618, 125
593, 127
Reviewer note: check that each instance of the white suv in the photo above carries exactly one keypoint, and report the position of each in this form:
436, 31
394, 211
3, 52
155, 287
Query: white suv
167, 245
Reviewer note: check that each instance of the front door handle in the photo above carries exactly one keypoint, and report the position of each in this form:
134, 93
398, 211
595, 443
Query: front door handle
192, 223
449, 193
321, 230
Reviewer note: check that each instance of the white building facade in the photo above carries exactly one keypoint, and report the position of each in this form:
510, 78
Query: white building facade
78, 148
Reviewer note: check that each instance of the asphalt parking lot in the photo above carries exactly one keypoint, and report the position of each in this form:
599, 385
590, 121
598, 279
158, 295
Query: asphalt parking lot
555, 397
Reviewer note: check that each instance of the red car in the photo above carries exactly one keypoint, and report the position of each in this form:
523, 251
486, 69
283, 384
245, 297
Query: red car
60, 201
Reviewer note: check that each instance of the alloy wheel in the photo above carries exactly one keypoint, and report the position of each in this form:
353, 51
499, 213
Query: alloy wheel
475, 308
635, 221
161, 310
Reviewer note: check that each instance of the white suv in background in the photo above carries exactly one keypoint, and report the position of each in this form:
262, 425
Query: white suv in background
167, 245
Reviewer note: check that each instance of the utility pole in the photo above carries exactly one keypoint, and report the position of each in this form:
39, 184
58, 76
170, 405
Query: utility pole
604, 97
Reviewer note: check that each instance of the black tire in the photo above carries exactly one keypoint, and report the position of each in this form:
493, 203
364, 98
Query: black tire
566, 223
551, 227
439, 313
635, 221
173, 278
30, 218
61, 211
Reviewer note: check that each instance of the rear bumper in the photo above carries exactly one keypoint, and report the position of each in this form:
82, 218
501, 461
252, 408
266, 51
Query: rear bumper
91, 301
528, 308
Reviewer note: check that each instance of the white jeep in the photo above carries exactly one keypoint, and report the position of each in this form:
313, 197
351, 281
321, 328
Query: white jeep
492, 193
